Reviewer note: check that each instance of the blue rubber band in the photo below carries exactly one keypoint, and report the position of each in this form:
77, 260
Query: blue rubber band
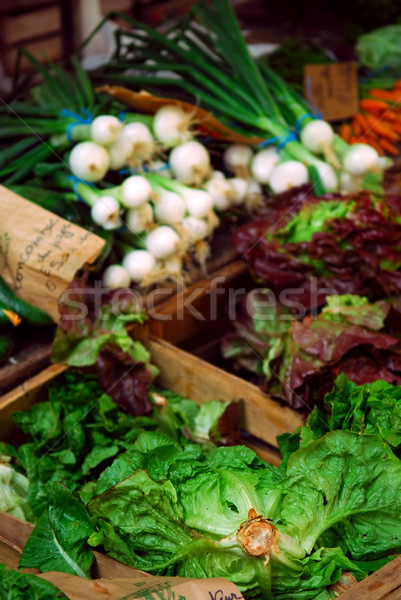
78, 120
309, 96
291, 137
302, 118
122, 115
270, 141
282, 140
76, 181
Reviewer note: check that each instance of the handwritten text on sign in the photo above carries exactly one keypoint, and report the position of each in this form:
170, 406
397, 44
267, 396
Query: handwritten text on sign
41, 252
332, 88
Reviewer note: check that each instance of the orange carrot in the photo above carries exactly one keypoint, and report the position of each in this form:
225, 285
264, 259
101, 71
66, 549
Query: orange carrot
354, 139
370, 104
391, 115
345, 131
393, 96
388, 146
357, 127
396, 126
398, 84
381, 128
360, 118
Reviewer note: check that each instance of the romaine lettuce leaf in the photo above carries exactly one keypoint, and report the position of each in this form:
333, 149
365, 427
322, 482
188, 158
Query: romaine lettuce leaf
59, 539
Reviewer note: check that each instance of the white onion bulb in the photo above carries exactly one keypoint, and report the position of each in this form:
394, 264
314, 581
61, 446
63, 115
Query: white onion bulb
360, 159
288, 175
162, 242
317, 135
139, 219
237, 155
105, 130
119, 152
135, 190
350, 183
116, 276
138, 263
240, 187
190, 163
263, 163
171, 125
105, 212
197, 229
199, 202
328, 177
140, 136
221, 192
170, 208
89, 161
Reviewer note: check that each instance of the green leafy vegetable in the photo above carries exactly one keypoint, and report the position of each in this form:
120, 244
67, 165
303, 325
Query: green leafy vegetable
380, 48
13, 491
59, 539
22, 586
347, 482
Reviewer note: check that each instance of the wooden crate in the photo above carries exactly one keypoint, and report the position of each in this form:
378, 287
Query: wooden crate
13, 536
34, 355
198, 311
35, 25
190, 376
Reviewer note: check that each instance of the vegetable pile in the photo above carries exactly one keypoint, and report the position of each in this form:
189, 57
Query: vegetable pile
297, 360
77, 433
313, 247
379, 121
212, 64
93, 163
171, 506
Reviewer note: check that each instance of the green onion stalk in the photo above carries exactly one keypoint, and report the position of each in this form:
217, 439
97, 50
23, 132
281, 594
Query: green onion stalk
213, 66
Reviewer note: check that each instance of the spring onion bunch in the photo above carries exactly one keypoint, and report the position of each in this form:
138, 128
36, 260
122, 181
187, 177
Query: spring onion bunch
48, 119
209, 61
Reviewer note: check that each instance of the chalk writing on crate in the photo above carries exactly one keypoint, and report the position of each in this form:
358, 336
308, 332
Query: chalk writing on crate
50, 248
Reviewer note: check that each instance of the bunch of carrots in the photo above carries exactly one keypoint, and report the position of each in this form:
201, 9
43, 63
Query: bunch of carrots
378, 123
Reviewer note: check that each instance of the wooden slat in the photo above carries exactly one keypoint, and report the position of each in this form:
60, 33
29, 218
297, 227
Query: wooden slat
21, 27
385, 584
190, 376
198, 308
23, 396
50, 47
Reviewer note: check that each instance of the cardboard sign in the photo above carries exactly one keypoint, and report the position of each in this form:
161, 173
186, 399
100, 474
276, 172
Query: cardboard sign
149, 588
333, 89
41, 252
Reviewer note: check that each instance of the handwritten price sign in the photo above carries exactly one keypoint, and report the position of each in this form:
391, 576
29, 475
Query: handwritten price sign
333, 89
41, 252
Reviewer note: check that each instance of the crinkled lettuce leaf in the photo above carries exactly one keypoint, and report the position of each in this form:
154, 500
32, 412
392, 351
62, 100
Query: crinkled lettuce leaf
299, 359
333, 244
347, 482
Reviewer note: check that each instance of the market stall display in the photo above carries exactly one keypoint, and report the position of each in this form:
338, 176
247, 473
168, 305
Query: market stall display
185, 192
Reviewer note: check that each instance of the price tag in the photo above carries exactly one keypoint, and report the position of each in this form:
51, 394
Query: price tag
332, 88
41, 252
